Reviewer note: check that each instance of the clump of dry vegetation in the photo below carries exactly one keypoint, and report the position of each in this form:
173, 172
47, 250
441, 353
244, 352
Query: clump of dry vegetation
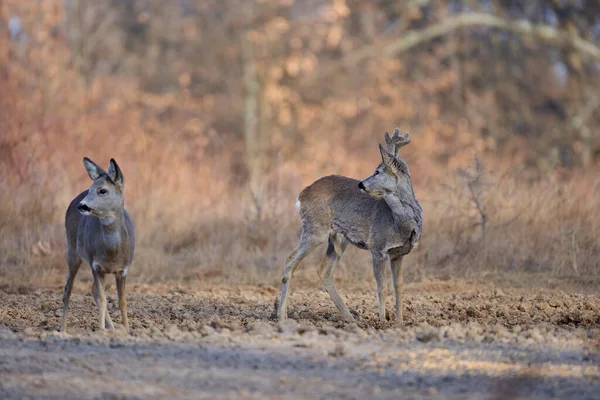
220, 115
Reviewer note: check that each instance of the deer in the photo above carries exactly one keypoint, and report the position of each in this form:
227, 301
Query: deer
380, 214
101, 232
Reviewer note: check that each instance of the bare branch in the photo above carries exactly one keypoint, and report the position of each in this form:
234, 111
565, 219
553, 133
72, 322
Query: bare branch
472, 182
412, 39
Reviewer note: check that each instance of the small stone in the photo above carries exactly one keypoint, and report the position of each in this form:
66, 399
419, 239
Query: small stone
207, 330
456, 331
353, 328
219, 325
333, 317
288, 326
501, 331
473, 313
555, 303
487, 339
541, 306
338, 351
428, 336
173, 332
536, 335
29, 331
303, 329
259, 327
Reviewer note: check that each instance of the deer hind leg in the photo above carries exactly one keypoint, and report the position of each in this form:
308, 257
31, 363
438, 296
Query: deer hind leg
335, 249
379, 261
120, 279
74, 262
100, 299
306, 245
396, 266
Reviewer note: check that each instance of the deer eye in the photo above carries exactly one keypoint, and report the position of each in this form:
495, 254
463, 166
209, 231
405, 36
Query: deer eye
102, 192
376, 173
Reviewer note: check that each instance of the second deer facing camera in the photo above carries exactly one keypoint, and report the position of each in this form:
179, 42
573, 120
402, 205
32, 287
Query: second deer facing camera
380, 214
100, 232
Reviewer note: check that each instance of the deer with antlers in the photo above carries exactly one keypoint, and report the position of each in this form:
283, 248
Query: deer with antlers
379, 214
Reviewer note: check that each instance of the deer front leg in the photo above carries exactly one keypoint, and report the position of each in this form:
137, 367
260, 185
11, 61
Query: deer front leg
100, 299
379, 261
121, 278
396, 264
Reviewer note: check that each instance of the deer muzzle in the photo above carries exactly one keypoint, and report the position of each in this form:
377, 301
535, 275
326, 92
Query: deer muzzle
84, 208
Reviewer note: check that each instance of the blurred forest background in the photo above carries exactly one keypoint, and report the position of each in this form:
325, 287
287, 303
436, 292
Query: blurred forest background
220, 111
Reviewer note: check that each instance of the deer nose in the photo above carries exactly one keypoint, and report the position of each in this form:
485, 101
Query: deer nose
83, 207
361, 186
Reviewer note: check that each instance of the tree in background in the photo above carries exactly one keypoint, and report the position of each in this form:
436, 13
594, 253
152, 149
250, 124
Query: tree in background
509, 79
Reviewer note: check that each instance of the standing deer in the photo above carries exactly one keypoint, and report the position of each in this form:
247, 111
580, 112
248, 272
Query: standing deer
379, 214
100, 231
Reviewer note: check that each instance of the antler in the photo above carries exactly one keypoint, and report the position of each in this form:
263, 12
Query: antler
396, 142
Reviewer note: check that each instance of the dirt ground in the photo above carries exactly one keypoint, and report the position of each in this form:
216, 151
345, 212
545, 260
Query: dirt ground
461, 341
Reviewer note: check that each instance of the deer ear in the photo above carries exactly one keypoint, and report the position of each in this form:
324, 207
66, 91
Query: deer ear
114, 172
391, 162
93, 170
386, 157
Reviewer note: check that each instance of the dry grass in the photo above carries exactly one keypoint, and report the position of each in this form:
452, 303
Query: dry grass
194, 225
196, 220
547, 227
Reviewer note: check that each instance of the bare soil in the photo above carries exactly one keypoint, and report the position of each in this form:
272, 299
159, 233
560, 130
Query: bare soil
461, 341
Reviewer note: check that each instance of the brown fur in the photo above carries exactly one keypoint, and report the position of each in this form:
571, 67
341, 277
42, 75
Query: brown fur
379, 214
100, 231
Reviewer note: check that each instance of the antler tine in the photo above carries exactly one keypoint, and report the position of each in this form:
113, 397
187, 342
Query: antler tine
396, 141
388, 140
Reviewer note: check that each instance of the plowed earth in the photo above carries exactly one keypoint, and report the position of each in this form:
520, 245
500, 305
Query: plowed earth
460, 341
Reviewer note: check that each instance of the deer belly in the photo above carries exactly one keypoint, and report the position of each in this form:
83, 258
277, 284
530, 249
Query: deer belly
353, 236
109, 267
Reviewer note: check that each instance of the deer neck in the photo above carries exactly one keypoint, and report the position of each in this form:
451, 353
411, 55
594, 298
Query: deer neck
404, 207
111, 231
